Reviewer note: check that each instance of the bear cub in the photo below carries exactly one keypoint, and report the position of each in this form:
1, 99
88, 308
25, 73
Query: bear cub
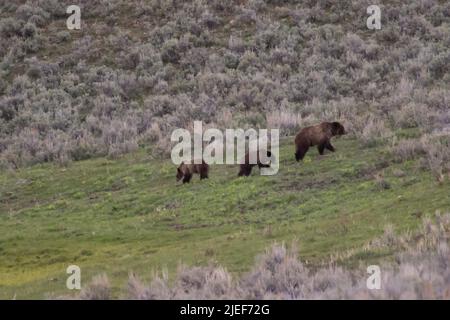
186, 170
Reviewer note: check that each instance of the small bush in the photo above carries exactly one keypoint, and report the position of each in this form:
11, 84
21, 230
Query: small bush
287, 121
10, 27
63, 36
374, 132
29, 30
98, 289
440, 65
410, 116
407, 149
170, 52
437, 155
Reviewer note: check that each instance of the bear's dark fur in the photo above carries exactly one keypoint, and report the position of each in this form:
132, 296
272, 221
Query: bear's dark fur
318, 135
245, 168
186, 170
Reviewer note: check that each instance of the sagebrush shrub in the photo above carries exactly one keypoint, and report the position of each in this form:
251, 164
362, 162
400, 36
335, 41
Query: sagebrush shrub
246, 57
287, 121
437, 150
411, 115
98, 289
374, 131
407, 149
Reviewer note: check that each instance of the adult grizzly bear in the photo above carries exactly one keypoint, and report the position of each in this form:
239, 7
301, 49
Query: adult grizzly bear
318, 135
245, 169
186, 170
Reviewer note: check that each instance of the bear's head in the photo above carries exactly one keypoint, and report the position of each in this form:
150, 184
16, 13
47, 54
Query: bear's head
337, 129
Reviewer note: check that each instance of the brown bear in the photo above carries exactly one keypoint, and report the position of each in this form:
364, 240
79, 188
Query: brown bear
186, 170
245, 169
318, 135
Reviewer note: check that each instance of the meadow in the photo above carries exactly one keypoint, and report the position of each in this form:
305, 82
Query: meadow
129, 215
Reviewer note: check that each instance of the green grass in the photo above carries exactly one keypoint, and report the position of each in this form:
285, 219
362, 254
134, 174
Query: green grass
117, 216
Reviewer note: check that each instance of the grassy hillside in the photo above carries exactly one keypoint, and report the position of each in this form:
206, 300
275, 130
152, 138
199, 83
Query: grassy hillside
130, 214
86, 118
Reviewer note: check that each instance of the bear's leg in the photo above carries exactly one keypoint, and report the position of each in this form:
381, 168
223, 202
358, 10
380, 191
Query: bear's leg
245, 170
321, 148
329, 146
300, 153
187, 178
203, 174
